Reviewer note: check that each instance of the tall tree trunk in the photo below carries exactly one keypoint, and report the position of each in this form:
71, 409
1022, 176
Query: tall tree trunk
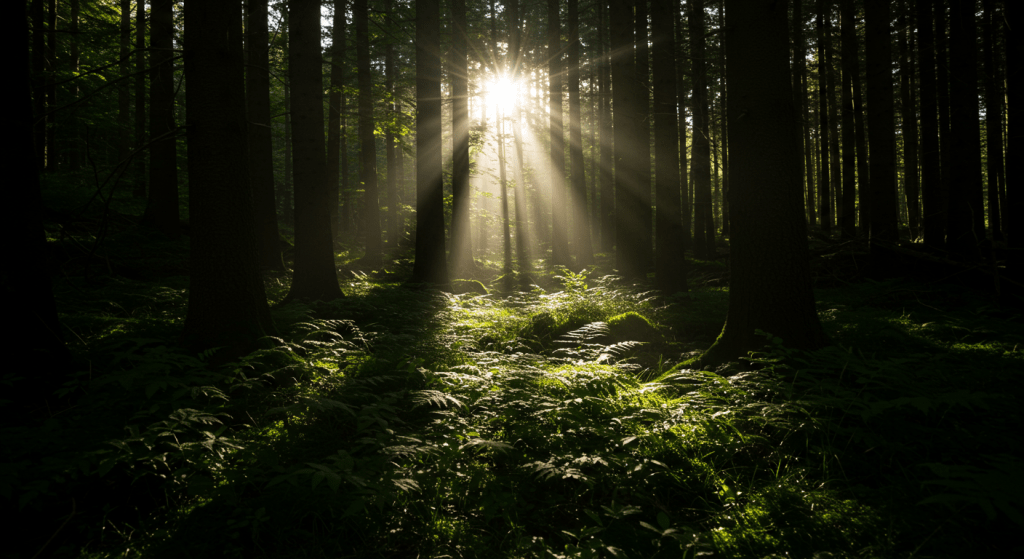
686, 222
670, 264
965, 224
993, 120
770, 287
800, 94
723, 94
334, 129
139, 178
522, 234
227, 304
881, 121
645, 232
367, 146
848, 34
1015, 139
461, 252
581, 245
287, 200
390, 69
162, 205
74, 142
38, 77
946, 154
430, 266
624, 101
315, 276
607, 178
908, 112
863, 168
124, 145
931, 187
703, 241
823, 25
52, 155
833, 119
559, 205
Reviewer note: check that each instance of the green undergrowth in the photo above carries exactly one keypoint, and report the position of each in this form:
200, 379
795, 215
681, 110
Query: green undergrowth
547, 423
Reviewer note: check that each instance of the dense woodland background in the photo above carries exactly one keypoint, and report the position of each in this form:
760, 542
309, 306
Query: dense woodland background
264, 227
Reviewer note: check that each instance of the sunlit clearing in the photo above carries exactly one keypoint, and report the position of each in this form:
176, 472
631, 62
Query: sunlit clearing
503, 93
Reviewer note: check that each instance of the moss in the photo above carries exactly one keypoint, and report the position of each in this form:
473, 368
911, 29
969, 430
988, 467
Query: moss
460, 286
631, 326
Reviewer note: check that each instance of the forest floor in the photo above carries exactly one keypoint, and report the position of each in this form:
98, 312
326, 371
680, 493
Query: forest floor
549, 422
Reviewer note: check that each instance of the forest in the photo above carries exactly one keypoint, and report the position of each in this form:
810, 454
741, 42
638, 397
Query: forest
519, 278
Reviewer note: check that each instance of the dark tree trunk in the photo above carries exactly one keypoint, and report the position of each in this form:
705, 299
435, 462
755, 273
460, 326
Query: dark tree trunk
800, 94
367, 146
965, 224
848, 32
703, 238
624, 100
522, 235
824, 60
315, 276
881, 121
682, 97
908, 113
334, 116
52, 155
642, 244
770, 285
74, 142
670, 264
582, 248
462, 251
390, 69
139, 178
431, 266
607, 178
287, 200
723, 119
946, 154
38, 80
162, 207
863, 168
559, 209
931, 187
993, 121
227, 305
835, 161
124, 100
1015, 140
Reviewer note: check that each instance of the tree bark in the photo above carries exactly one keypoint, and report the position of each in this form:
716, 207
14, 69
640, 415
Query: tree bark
315, 276
643, 242
607, 178
908, 114
74, 143
946, 154
1015, 139
703, 242
52, 155
881, 119
227, 305
670, 263
848, 33
824, 94
686, 223
624, 100
461, 257
162, 205
367, 145
581, 244
770, 286
800, 94
559, 209
993, 120
931, 188
334, 116
139, 178
124, 146
430, 266
390, 69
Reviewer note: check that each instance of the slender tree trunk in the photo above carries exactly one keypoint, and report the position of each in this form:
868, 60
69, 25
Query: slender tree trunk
946, 154
824, 167
645, 226
607, 178
723, 95
833, 119
770, 286
559, 205
670, 264
965, 224
908, 112
461, 252
38, 77
863, 168
522, 235
315, 276
993, 121
227, 304
582, 247
848, 33
52, 155
367, 145
703, 241
881, 121
624, 100
74, 141
287, 200
334, 130
682, 97
431, 266
931, 187
162, 206
1015, 139
139, 178
124, 146
390, 68
800, 94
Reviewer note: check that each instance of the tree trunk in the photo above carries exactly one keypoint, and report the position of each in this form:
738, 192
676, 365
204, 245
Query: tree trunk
315, 276
74, 142
881, 119
946, 154
800, 94
522, 235
1015, 139
559, 209
390, 68
52, 155
824, 93
686, 222
430, 266
334, 129
642, 243
139, 178
124, 146
670, 264
624, 100
582, 247
367, 145
461, 251
162, 205
703, 240
287, 200
848, 33
724, 117
965, 224
835, 160
607, 178
931, 188
908, 112
770, 286
227, 305
993, 121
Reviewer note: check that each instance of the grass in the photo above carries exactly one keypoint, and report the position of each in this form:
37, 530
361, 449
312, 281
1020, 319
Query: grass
398, 423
